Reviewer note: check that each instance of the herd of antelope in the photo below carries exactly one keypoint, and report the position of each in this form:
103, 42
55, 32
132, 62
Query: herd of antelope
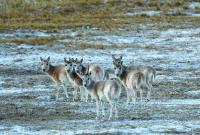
91, 80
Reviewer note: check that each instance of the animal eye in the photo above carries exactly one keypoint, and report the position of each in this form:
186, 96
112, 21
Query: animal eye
114, 67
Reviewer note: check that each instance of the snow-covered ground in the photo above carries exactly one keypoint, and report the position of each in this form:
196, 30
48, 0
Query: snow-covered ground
118, 127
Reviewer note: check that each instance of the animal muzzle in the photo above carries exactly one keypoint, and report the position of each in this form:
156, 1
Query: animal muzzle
84, 84
81, 73
77, 71
43, 70
117, 74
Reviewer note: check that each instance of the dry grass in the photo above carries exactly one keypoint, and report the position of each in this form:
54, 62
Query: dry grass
32, 41
82, 45
59, 14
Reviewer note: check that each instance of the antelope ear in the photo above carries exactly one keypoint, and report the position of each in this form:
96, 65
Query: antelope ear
113, 62
72, 60
86, 72
65, 60
41, 58
81, 60
113, 57
48, 59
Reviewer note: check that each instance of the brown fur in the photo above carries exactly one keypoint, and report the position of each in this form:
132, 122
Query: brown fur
76, 78
148, 72
56, 71
145, 70
123, 78
97, 69
110, 89
132, 80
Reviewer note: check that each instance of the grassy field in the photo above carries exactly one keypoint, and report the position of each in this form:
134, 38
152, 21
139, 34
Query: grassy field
108, 15
104, 14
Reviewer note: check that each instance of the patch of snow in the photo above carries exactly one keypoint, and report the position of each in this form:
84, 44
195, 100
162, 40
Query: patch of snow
40, 34
150, 13
20, 129
193, 14
194, 125
1, 80
193, 93
142, 127
179, 32
11, 91
117, 39
24, 34
194, 5
46, 98
176, 102
2, 128
170, 128
114, 130
25, 46
6, 35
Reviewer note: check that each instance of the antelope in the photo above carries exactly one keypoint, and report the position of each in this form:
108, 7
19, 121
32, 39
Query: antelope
56, 73
97, 73
103, 90
149, 73
132, 80
75, 79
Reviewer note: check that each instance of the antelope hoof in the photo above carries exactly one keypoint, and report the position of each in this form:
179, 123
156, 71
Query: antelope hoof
127, 103
109, 118
97, 118
56, 100
147, 100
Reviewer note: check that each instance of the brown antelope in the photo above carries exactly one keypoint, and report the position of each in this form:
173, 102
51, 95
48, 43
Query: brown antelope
75, 79
149, 73
132, 80
101, 90
56, 73
97, 73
